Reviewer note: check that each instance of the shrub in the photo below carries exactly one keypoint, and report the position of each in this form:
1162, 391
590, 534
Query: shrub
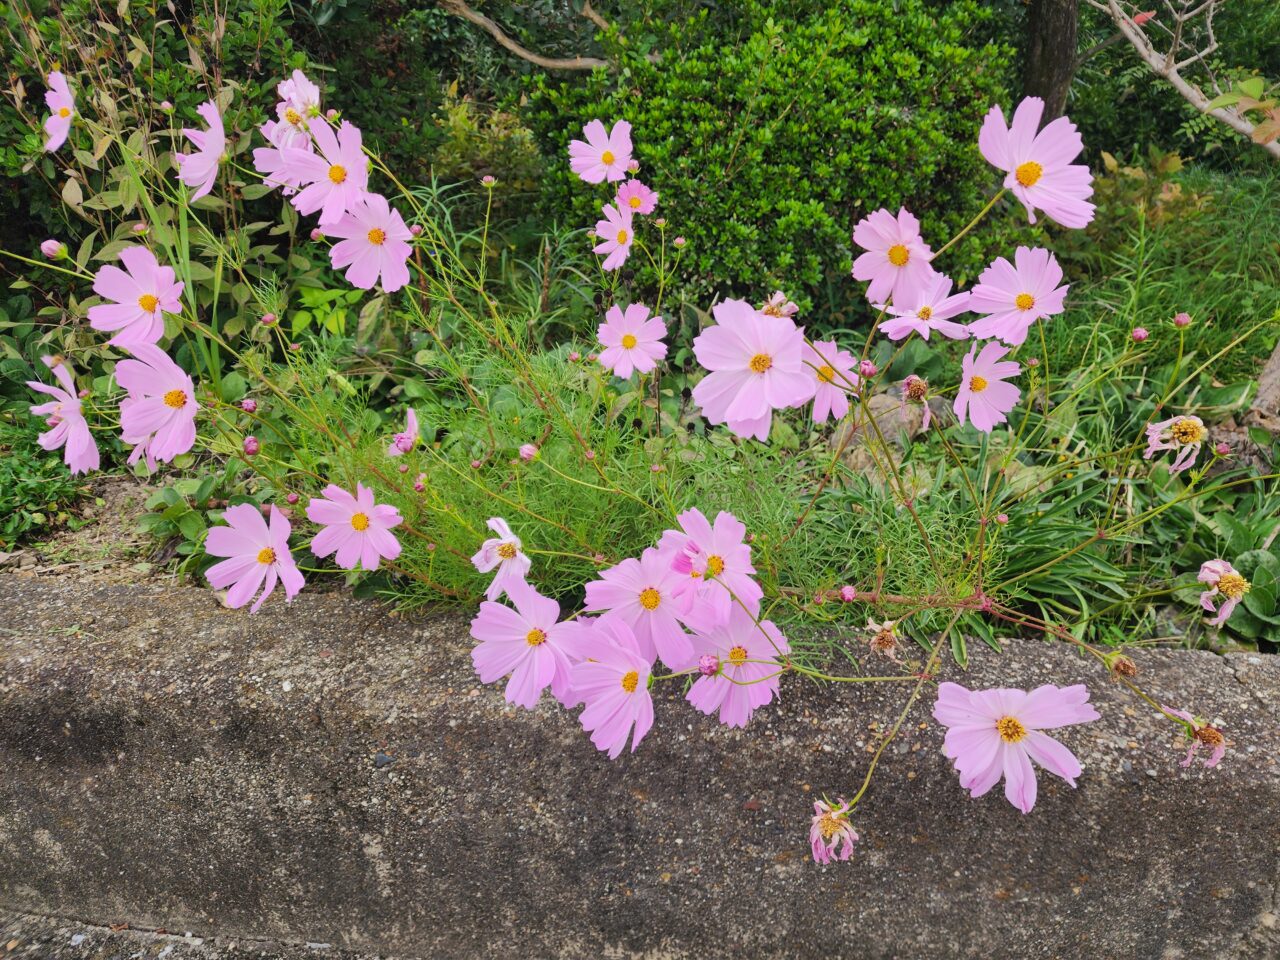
768, 144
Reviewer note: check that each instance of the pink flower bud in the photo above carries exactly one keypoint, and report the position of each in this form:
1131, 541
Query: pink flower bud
404, 468
251, 446
431, 547
633, 166
268, 319
819, 598
475, 464
249, 405
848, 594
660, 222
416, 229
1140, 334
575, 356
1033, 362
295, 347
679, 242
868, 369
708, 664
53, 249
488, 180
139, 228
419, 486
291, 498
592, 358
84, 393
1222, 449
166, 106
590, 454
527, 452
1002, 518
656, 468
1182, 320
331, 114
317, 234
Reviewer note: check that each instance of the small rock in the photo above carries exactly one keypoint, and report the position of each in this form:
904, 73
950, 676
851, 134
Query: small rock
381, 760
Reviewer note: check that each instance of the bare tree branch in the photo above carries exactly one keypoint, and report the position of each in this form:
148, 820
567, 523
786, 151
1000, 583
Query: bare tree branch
1167, 66
460, 9
589, 12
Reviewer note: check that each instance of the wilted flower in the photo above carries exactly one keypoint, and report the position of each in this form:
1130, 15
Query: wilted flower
883, 638
830, 829
374, 244
897, 259
199, 170
636, 197
756, 366
356, 529
404, 441
984, 398
616, 236
1202, 734
916, 390
65, 419
141, 293
749, 668
604, 155
779, 306
258, 556
997, 733
1038, 164
62, 107
506, 553
1223, 580
632, 340
1015, 295
1183, 434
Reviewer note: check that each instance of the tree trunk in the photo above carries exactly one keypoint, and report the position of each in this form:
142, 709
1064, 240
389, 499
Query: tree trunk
1051, 52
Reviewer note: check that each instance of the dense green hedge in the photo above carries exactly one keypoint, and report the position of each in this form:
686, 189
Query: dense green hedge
767, 143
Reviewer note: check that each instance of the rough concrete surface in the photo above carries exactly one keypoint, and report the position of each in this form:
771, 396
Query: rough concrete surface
328, 773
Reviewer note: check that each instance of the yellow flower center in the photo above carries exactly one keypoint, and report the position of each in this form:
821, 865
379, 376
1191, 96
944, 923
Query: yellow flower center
64, 112
607, 158
1010, 729
1024, 301
899, 255
629, 341
924, 313
507, 551
630, 680
715, 565
650, 598
635, 203
176, 399
760, 363
738, 656
266, 555
622, 236
830, 826
1029, 173
977, 384
360, 521
292, 116
377, 237
535, 637
148, 302
826, 373
1234, 586
1186, 431
338, 174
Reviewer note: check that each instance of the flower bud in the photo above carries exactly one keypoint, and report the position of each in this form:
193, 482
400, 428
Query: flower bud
590, 454
415, 229
317, 234
268, 319
679, 242
1140, 334
1222, 449
1002, 518
251, 446
475, 464
291, 498
166, 106
574, 356
53, 249
708, 664
1182, 320
488, 180
140, 227
249, 405
868, 369
527, 452
848, 594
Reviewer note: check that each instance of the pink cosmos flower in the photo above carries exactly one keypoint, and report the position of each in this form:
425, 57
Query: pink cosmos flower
749, 670
757, 366
995, 733
834, 378
831, 828
984, 398
273, 162
644, 594
356, 529
374, 244
616, 236
779, 306
505, 553
1226, 581
1183, 434
715, 562
931, 308
1202, 735
299, 100
1015, 297
636, 197
200, 170
604, 155
1039, 167
336, 175
526, 643
404, 442
65, 419
896, 261
632, 340
141, 293
62, 108
257, 556
614, 683
159, 414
